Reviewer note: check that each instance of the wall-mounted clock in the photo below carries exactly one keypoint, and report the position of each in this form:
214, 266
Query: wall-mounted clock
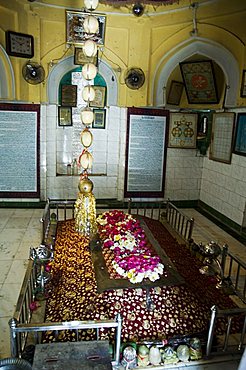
19, 44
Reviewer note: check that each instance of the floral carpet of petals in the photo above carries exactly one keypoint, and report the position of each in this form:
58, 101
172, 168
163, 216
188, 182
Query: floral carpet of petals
134, 258
178, 310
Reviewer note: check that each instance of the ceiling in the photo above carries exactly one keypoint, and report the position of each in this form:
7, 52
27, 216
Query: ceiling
115, 3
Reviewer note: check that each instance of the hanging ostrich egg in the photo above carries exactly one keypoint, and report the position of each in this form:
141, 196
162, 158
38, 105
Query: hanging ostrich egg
88, 93
91, 24
87, 116
90, 48
89, 71
91, 4
86, 159
86, 138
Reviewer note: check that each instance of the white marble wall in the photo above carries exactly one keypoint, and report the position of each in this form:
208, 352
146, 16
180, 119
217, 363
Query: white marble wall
223, 187
189, 176
183, 167
183, 174
108, 150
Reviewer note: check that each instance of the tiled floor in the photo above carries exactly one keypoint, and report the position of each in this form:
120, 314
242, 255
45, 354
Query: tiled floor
20, 229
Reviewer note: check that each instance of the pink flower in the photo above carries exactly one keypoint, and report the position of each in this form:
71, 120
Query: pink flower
33, 306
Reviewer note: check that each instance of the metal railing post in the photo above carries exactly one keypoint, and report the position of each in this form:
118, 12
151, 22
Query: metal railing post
118, 339
224, 254
129, 209
211, 330
13, 338
191, 228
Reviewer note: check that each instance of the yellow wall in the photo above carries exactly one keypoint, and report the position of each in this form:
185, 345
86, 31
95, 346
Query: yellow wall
146, 42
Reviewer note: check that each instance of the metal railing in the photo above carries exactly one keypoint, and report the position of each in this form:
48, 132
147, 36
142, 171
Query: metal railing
182, 224
154, 210
19, 332
61, 209
234, 272
20, 324
226, 345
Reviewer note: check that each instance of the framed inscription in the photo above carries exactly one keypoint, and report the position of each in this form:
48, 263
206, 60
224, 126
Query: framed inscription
222, 135
100, 97
65, 116
20, 151
199, 80
240, 137
99, 118
175, 93
243, 85
69, 95
146, 144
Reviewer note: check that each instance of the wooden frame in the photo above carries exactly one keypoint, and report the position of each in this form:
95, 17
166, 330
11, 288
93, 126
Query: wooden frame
69, 95
182, 130
75, 33
240, 137
100, 97
99, 118
243, 85
199, 81
146, 146
222, 137
175, 92
65, 116
80, 58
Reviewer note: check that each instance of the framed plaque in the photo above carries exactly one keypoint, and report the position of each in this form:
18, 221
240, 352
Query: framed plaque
99, 118
175, 93
20, 151
222, 135
199, 81
182, 130
65, 116
243, 85
100, 97
240, 137
69, 95
146, 144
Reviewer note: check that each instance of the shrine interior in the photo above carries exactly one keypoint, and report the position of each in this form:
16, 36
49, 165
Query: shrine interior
123, 184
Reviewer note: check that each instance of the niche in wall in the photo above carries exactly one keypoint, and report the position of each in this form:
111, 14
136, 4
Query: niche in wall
68, 144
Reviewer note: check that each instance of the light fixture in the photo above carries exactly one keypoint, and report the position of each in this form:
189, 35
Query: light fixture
88, 93
91, 4
89, 71
87, 116
91, 24
86, 138
138, 9
90, 48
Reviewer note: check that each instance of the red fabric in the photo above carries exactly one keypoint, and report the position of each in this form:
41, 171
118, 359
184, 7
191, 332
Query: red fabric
178, 310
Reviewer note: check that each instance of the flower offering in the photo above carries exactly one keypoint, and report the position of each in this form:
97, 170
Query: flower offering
133, 257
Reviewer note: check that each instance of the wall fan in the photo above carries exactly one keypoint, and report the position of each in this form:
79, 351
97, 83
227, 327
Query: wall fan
33, 73
134, 78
